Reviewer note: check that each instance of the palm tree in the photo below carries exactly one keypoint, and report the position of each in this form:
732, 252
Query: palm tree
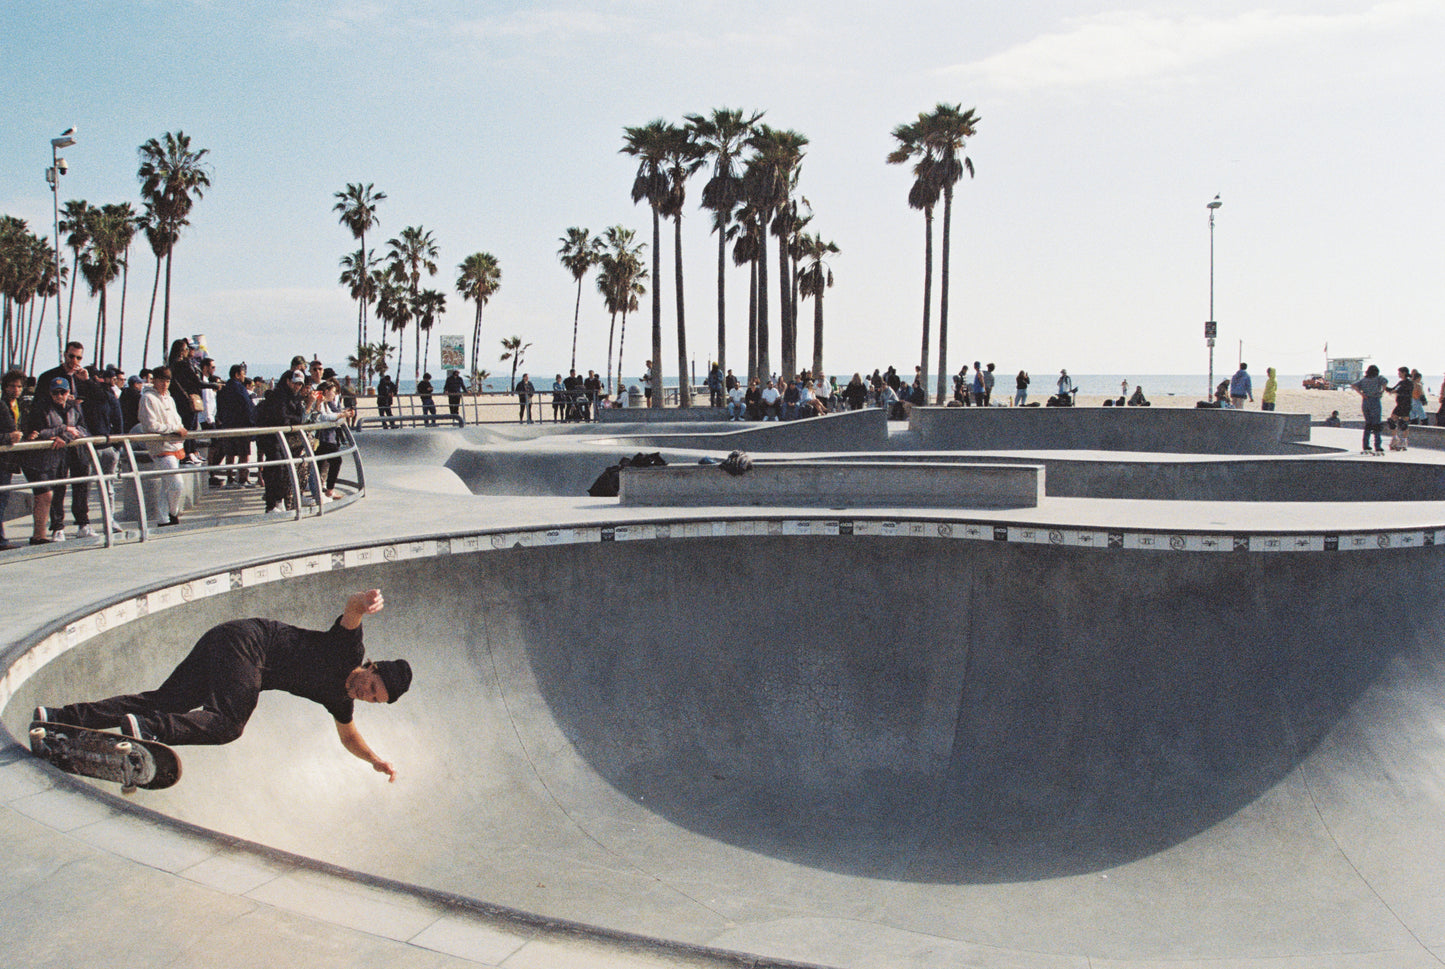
362, 360
162, 236
479, 277
788, 226
27, 269
814, 278
129, 225
722, 136
650, 145
620, 282
170, 174
428, 308
682, 160
100, 263
947, 131
359, 274
77, 223
746, 234
579, 253
414, 252
356, 207
393, 304
513, 349
923, 195
769, 179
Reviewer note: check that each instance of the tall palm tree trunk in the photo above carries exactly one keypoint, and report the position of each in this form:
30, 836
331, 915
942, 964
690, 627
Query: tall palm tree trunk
818, 333
100, 331
39, 327
764, 365
69, 313
576, 319
166, 318
145, 350
753, 317
611, 329
120, 336
943, 298
684, 379
927, 290
722, 327
476, 340
785, 317
656, 309
364, 374
621, 341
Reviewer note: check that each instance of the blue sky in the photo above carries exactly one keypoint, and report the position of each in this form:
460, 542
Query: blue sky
1082, 242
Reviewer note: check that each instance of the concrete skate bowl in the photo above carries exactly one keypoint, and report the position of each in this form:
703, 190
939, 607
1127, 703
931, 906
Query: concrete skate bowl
664, 734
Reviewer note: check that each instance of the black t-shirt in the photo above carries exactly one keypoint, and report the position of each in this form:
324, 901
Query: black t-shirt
308, 663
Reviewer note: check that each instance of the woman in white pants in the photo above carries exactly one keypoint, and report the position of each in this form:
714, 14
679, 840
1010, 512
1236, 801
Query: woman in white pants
158, 415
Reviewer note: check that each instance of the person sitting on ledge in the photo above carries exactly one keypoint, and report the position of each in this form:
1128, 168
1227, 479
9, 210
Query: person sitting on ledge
1138, 399
213, 692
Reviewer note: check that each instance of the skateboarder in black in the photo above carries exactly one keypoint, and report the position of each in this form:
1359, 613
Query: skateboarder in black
212, 693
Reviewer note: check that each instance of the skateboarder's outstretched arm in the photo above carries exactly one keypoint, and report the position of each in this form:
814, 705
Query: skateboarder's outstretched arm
360, 605
352, 740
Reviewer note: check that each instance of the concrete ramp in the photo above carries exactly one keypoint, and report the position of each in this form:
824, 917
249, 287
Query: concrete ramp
868, 750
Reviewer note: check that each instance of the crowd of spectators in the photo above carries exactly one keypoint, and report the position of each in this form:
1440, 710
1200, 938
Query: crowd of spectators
173, 401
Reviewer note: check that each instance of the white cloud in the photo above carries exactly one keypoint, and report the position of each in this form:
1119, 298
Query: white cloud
1124, 46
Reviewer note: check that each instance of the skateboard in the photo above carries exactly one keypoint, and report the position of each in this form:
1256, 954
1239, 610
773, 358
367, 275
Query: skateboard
106, 756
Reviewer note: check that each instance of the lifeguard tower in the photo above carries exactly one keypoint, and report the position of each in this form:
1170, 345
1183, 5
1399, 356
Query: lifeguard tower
1343, 371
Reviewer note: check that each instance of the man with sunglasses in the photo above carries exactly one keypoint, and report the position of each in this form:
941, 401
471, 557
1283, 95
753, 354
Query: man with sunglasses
72, 461
56, 418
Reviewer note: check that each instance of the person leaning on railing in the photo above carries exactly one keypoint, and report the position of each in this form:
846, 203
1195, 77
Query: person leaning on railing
236, 409
56, 418
158, 415
284, 405
10, 433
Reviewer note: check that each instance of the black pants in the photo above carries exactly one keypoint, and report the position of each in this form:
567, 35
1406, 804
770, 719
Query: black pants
331, 467
73, 461
277, 478
206, 700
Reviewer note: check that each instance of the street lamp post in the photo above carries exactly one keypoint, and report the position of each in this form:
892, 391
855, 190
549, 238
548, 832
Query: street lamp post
1210, 329
57, 168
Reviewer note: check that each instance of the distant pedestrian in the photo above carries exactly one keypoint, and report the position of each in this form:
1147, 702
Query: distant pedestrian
1021, 388
1404, 391
1271, 388
1240, 387
1371, 387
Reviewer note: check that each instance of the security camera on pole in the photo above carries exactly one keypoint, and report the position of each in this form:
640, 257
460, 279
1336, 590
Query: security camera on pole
57, 168
1210, 330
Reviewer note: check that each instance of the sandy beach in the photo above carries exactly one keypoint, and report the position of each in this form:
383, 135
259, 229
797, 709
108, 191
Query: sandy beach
1316, 403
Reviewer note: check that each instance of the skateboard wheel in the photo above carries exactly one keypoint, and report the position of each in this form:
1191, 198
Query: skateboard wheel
37, 733
123, 747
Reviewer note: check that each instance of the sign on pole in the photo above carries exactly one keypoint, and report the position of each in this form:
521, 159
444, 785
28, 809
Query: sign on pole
453, 352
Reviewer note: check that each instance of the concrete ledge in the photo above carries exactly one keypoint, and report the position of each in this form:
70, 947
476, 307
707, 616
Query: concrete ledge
1155, 429
837, 484
661, 415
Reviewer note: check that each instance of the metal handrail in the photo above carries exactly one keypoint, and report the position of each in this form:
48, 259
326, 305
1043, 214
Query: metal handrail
131, 471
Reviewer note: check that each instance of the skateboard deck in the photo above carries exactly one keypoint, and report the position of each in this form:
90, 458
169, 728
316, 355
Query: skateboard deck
106, 756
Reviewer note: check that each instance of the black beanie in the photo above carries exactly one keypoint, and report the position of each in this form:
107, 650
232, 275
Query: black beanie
396, 674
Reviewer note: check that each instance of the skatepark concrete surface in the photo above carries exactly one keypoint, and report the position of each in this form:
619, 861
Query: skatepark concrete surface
1182, 710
